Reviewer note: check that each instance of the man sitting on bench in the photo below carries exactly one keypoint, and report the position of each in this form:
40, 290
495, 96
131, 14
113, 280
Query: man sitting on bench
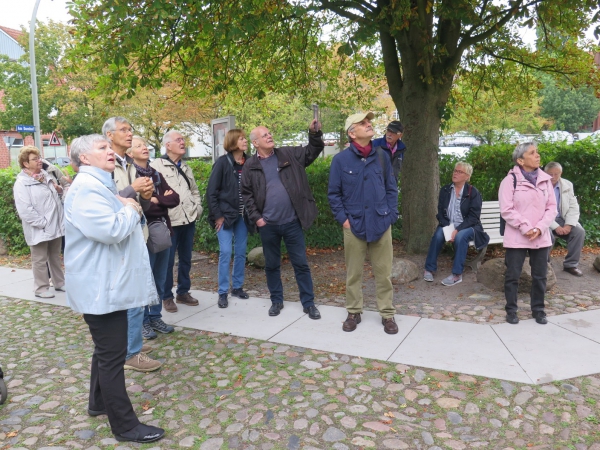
459, 210
566, 224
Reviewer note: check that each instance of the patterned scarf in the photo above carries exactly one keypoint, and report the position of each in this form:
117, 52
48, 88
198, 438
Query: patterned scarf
39, 177
144, 171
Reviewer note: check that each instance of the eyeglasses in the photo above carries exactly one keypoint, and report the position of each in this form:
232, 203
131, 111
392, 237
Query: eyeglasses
34, 159
459, 172
125, 130
177, 140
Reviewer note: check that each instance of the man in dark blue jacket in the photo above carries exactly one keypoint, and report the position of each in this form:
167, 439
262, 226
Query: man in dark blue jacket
363, 196
393, 145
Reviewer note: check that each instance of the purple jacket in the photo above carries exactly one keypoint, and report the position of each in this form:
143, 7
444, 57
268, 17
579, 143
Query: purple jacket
525, 207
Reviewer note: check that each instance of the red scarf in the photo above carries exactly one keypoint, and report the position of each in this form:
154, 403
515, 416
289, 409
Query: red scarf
364, 151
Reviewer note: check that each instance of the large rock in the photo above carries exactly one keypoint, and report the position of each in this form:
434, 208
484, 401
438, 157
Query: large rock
597, 263
404, 271
491, 275
257, 257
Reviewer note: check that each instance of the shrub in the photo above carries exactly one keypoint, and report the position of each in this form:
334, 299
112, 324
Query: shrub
11, 230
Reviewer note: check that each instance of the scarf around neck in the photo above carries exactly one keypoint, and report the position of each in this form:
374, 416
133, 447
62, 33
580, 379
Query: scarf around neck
39, 177
530, 176
147, 171
364, 151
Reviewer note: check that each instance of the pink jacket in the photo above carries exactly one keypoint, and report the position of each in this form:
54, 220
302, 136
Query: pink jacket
526, 207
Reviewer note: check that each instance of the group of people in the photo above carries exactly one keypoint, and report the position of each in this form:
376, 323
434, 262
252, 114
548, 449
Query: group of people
536, 207
125, 218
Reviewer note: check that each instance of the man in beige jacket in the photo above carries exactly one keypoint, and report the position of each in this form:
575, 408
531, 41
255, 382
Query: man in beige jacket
566, 225
180, 178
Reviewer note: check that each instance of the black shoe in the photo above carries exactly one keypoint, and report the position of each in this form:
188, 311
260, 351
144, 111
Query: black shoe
512, 318
142, 434
223, 303
95, 413
239, 293
275, 309
540, 317
312, 312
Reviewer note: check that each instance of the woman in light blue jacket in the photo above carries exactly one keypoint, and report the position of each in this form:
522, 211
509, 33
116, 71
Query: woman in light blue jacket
107, 272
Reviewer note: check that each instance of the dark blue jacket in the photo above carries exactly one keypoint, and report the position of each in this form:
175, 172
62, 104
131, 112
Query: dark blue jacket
398, 155
360, 191
470, 208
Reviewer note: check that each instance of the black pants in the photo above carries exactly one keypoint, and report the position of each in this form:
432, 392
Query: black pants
538, 260
107, 383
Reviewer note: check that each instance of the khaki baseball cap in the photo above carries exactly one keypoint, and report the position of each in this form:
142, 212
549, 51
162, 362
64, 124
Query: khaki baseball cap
356, 118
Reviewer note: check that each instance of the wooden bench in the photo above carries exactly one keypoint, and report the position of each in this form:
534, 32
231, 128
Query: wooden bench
490, 219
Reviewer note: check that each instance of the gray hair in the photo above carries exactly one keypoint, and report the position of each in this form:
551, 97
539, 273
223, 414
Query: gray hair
111, 124
521, 149
553, 165
84, 144
167, 137
465, 165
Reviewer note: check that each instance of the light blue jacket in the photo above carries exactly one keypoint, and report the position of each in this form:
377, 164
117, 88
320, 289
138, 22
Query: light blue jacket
107, 267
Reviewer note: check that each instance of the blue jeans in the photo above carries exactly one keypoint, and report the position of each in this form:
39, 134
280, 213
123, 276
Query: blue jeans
461, 245
183, 241
135, 318
158, 263
238, 235
293, 237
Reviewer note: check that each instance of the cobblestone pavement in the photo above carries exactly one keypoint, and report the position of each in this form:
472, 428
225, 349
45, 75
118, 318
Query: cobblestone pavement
218, 391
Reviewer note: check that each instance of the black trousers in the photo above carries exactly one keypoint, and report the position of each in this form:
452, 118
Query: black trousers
538, 260
107, 383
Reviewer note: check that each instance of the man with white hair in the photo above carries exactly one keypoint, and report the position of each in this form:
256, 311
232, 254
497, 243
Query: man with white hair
566, 224
180, 178
118, 131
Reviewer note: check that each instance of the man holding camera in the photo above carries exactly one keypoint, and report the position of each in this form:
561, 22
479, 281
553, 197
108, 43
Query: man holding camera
279, 203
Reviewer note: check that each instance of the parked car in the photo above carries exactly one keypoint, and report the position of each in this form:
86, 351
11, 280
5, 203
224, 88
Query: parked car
60, 161
556, 136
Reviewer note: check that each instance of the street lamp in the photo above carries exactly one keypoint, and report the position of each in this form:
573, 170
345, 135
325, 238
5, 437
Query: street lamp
34, 94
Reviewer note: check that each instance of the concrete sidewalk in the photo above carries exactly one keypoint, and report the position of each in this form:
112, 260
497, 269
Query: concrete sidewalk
569, 346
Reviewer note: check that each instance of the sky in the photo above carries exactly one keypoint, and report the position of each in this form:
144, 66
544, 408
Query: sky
14, 14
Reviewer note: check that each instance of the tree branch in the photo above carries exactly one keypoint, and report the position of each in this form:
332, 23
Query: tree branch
391, 65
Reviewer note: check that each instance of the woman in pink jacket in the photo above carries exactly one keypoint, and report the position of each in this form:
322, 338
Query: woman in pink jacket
528, 205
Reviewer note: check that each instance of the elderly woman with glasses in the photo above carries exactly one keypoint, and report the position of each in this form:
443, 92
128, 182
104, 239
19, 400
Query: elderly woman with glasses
36, 195
108, 272
459, 210
528, 205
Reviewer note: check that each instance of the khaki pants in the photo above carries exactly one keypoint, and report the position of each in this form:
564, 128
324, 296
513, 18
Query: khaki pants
42, 253
381, 256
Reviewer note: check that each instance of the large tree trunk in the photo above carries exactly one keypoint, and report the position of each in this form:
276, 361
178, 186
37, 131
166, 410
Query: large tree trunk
419, 113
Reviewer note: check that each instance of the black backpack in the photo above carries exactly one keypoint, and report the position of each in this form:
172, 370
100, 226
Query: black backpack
502, 221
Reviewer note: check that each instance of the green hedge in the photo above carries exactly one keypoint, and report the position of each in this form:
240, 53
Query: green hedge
580, 161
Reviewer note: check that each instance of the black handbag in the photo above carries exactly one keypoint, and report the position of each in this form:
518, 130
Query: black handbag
159, 236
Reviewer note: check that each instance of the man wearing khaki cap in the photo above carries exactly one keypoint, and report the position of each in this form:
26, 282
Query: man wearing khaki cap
363, 196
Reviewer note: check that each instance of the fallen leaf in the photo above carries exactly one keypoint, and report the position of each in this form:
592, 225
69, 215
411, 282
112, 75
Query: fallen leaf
12, 433
387, 422
146, 406
389, 414
410, 286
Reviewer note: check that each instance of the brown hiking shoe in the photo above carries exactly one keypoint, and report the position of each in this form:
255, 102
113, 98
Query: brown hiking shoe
351, 322
169, 305
142, 363
389, 325
186, 299
146, 349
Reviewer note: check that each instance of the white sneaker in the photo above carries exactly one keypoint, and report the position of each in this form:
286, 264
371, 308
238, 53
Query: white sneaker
45, 295
451, 280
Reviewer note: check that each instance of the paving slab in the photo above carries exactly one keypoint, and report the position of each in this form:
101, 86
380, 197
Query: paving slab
24, 290
459, 347
10, 276
585, 324
246, 318
549, 352
367, 341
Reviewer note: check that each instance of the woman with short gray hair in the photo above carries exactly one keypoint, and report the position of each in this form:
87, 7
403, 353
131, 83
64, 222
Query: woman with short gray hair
528, 205
459, 211
108, 272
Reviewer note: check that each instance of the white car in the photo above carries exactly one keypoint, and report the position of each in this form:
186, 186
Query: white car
556, 136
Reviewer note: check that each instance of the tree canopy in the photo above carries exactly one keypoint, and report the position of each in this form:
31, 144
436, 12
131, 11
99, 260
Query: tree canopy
262, 46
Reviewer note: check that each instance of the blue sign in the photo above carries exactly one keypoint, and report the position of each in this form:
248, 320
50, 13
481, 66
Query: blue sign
26, 128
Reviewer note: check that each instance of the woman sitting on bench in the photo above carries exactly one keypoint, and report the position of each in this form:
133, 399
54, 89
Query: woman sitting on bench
459, 209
